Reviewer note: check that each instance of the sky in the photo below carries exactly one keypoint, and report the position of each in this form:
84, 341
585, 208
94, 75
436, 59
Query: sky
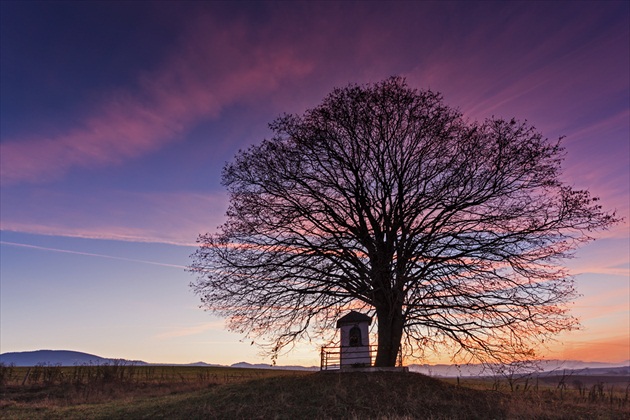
116, 119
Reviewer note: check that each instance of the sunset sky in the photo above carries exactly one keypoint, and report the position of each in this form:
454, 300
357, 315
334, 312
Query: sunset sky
117, 118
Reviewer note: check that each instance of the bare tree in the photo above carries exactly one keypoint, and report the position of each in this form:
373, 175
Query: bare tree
384, 199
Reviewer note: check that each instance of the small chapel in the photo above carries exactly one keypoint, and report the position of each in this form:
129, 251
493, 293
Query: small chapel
355, 340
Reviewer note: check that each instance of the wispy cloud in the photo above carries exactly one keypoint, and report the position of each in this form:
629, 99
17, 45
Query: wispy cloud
171, 217
608, 256
215, 65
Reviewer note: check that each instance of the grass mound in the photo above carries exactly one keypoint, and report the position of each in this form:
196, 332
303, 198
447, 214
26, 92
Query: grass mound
325, 395
358, 395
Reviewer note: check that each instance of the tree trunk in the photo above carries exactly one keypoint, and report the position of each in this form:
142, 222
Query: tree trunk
390, 328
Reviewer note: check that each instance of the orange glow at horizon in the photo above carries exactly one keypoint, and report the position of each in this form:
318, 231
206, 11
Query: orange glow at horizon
614, 349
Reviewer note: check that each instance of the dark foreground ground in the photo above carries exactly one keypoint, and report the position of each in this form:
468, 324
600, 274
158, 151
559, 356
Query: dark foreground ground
382, 395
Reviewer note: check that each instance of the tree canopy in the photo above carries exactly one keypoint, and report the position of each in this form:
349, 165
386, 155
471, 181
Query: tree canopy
386, 200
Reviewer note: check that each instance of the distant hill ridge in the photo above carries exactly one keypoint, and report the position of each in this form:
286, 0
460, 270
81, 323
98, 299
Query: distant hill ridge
540, 368
71, 358
246, 365
58, 357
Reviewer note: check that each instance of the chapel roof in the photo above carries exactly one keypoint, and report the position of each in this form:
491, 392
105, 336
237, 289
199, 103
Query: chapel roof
353, 317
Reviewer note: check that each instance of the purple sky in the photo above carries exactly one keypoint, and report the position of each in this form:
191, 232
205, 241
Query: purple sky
117, 117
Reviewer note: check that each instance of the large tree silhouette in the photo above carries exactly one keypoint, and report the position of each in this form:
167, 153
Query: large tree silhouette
382, 198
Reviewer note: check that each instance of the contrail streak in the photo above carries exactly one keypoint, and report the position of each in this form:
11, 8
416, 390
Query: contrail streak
89, 254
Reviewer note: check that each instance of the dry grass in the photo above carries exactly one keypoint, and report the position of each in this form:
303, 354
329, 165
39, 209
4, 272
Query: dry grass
49, 387
224, 393
561, 396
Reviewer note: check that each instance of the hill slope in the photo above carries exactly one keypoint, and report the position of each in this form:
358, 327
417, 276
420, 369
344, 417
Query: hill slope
318, 395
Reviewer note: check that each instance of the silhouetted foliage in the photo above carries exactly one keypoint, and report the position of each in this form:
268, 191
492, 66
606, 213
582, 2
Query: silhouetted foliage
383, 199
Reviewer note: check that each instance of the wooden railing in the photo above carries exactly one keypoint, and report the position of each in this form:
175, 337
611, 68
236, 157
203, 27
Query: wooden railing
331, 358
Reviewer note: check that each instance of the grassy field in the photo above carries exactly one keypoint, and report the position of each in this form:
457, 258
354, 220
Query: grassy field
179, 392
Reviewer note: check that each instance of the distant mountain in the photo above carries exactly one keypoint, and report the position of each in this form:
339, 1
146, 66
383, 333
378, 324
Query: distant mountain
58, 357
543, 367
246, 365
607, 371
203, 364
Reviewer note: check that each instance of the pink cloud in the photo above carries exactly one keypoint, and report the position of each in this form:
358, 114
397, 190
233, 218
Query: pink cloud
211, 69
607, 256
602, 309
